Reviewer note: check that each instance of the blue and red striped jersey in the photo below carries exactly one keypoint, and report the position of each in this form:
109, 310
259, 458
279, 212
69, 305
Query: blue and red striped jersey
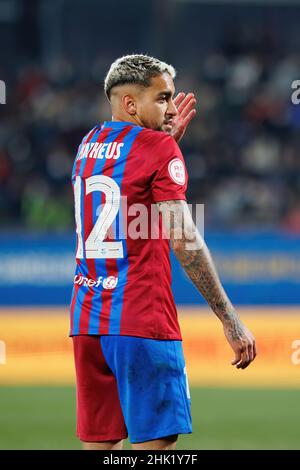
122, 283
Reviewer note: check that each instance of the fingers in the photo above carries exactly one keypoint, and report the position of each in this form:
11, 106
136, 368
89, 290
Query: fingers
251, 351
245, 356
237, 358
179, 98
186, 115
187, 108
189, 101
189, 117
254, 350
243, 345
245, 359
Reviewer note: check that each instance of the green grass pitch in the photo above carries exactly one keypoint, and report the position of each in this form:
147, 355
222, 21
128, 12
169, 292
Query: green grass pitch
44, 418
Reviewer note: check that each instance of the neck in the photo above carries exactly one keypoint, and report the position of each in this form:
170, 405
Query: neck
134, 119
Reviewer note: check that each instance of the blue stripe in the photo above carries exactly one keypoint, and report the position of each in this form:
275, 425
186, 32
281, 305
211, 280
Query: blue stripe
100, 264
122, 263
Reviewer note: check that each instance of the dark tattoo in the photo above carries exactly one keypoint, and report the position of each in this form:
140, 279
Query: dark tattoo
199, 266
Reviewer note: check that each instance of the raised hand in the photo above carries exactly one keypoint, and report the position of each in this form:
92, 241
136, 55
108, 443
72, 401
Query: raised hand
185, 105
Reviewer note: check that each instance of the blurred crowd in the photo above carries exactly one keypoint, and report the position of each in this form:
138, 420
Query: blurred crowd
241, 150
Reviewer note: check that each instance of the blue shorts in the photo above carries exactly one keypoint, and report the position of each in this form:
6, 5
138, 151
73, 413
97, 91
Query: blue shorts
142, 388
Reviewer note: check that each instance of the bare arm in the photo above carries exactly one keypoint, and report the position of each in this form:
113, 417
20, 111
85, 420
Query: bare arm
193, 254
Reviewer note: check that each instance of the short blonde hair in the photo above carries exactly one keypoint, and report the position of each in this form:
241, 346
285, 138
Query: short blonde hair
136, 69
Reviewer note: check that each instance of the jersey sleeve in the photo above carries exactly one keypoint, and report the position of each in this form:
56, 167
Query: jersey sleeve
166, 170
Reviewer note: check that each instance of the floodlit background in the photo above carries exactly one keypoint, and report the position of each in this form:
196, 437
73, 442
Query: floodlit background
240, 59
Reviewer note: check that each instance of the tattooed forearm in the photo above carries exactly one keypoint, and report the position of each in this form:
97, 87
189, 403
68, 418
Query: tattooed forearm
200, 268
197, 261
195, 258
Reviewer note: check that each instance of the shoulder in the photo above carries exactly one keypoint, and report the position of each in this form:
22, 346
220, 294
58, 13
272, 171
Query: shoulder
159, 142
156, 137
162, 156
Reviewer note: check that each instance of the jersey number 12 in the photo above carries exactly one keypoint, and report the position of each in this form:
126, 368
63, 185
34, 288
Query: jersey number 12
95, 246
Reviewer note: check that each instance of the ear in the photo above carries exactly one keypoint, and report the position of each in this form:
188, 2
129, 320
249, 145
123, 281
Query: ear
129, 104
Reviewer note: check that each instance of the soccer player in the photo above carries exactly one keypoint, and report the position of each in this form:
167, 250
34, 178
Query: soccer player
130, 369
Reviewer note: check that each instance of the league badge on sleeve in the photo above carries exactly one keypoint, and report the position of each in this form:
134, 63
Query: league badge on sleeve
176, 171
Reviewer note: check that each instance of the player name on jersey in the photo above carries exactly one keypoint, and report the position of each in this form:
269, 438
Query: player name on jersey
100, 150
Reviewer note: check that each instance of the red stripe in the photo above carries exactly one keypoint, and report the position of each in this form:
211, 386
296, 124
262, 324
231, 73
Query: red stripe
89, 137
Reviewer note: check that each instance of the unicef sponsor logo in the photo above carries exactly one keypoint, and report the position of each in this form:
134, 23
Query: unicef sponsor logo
108, 283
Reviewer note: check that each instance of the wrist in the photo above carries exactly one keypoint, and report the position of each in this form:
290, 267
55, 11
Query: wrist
230, 318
